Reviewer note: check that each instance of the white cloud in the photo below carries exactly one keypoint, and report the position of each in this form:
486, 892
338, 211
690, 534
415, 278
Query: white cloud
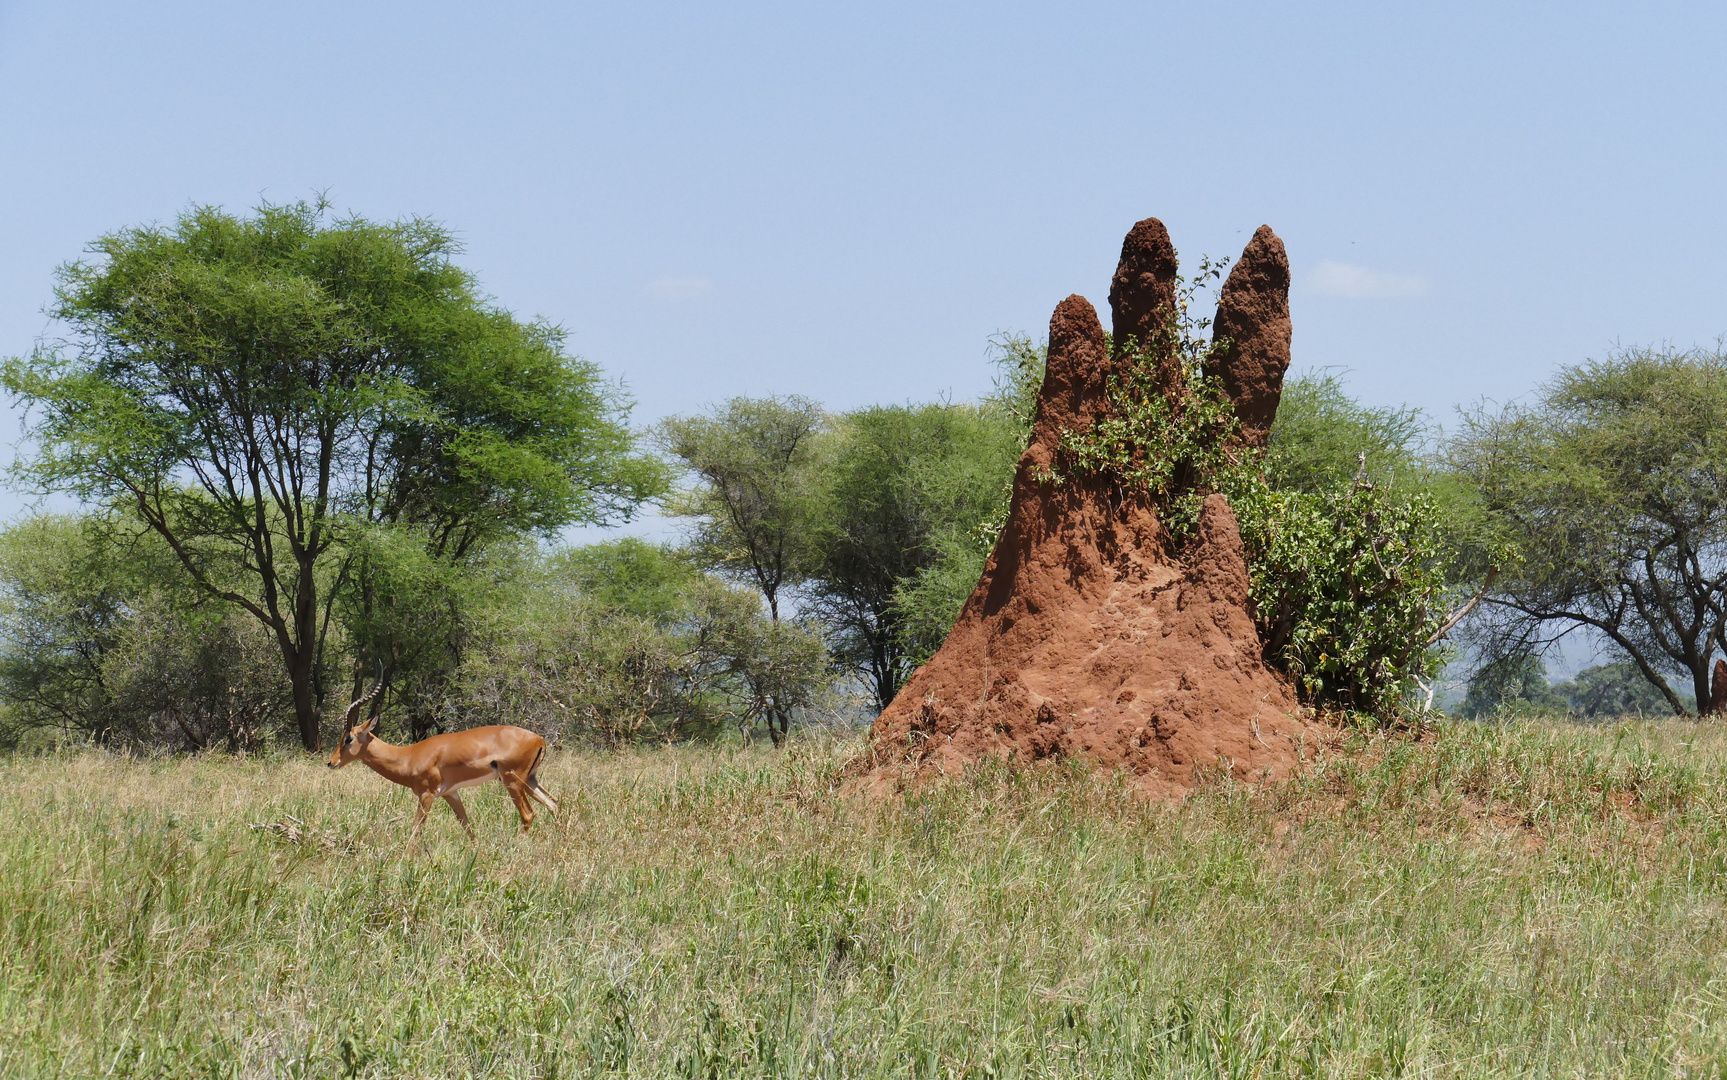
1359, 283
680, 288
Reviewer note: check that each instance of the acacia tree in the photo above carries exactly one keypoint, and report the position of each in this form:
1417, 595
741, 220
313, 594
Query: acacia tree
1608, 496
905, 485
526, 441
254, 388
757, 474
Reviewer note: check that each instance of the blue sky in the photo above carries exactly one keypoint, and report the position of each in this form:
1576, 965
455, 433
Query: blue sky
846, 201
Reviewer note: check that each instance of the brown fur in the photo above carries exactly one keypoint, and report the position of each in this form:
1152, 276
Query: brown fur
439, 767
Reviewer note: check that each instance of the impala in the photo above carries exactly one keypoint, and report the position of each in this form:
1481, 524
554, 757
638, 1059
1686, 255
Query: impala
441, 766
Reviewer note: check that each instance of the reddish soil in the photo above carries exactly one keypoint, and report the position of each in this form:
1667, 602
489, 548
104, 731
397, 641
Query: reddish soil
1142, 296
1090, 634
1253, 322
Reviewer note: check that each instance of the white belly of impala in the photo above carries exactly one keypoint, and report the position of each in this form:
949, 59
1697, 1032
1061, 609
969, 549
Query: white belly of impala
475, 782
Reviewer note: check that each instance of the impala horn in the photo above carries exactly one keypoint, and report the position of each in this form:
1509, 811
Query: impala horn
377, 686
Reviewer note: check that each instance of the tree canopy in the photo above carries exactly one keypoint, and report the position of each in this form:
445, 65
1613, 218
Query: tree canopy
1322, 437
1517, 684
1608, 497
757, 469
253, 389
904, 482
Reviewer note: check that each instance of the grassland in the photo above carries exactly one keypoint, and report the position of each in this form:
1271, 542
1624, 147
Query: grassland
1525, 900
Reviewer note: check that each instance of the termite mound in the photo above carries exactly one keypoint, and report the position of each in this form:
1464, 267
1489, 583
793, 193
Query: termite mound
1092, 633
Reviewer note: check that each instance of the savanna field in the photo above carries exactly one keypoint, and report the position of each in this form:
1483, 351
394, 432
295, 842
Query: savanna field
1525, 899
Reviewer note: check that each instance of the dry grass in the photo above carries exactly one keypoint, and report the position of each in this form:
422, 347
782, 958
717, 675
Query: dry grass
1529, 900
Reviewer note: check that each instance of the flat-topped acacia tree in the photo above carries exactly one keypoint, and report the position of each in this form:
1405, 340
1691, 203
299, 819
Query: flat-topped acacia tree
257, 390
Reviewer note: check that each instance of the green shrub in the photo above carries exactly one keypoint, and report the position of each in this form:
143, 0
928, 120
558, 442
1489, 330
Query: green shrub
100, 641
1348, 587
625, 642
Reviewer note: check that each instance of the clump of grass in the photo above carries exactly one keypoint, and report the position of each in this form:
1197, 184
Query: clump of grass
1527, 899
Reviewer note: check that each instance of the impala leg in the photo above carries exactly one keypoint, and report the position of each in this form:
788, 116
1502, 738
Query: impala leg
426, 800
518, 790
455, 802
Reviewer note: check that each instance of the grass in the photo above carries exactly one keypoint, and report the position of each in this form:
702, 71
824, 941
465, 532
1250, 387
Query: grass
1522, 900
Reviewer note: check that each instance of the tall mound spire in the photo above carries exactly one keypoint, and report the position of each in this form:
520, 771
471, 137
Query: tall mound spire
1142, 298
1253, 329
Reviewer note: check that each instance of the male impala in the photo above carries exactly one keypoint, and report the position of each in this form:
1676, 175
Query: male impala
443, 765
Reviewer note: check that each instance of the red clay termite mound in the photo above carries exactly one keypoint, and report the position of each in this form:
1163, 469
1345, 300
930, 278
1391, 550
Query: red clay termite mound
1091, 633
1252, 326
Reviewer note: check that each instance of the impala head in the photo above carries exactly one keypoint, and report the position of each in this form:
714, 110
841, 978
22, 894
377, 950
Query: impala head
353, 742
355, 736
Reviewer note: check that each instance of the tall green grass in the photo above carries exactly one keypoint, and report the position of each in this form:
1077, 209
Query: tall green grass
1526, 900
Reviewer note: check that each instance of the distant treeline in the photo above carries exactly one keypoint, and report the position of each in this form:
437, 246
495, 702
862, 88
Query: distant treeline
311, 455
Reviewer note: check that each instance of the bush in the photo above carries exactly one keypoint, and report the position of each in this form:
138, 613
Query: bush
1610, 691
1348, 587
210, 677
624, 642
96, 643
1516, 685
1511, 686
609, 644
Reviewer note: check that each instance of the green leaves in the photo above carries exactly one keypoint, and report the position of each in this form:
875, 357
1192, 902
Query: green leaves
1177, 450
757, 468
1607, 498
1322, 438
876, 518
908, 485
1348, 586
625, 641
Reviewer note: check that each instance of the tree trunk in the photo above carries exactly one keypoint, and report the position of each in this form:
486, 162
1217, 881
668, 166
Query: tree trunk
303, 661
306, 715
884, 665
885, 690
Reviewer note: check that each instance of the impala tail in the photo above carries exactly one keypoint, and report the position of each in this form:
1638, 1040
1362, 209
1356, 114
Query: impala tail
534, 787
